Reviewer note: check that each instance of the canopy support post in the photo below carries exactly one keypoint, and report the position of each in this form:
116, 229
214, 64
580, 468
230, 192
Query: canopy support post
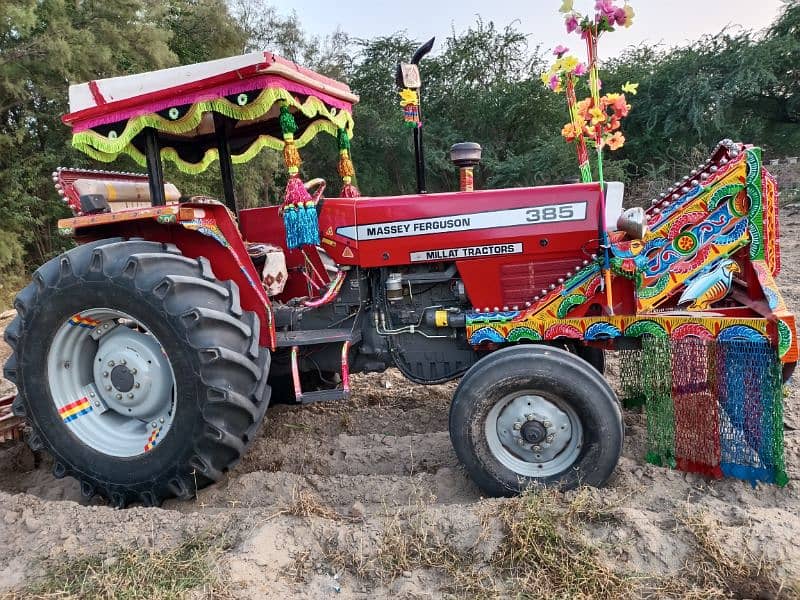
155, 173
225, 161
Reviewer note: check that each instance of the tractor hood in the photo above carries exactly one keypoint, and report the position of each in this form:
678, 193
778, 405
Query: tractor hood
108, 116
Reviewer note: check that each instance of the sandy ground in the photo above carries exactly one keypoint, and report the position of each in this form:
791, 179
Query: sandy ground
383, 458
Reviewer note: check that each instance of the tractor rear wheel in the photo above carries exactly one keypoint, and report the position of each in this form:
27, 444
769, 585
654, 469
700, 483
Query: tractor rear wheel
535, 415
137, 370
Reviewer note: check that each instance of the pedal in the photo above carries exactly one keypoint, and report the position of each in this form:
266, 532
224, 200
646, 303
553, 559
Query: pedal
342, 393
324, 396
311, 337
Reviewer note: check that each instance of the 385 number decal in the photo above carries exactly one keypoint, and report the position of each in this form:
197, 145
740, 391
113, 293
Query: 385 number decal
547, 214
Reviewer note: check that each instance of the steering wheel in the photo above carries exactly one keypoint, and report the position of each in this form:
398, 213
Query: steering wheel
319, 184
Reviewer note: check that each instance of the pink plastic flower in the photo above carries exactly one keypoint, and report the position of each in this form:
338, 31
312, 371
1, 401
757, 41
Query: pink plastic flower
560, 51
555, 83
580, 70
619, 17
606, 7
571, 23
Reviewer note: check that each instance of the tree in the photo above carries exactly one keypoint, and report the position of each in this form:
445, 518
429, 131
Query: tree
44, 45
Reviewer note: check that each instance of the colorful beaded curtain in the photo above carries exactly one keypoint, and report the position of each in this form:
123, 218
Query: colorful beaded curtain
712, 407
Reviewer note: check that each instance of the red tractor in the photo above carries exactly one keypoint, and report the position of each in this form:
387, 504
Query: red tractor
146, 357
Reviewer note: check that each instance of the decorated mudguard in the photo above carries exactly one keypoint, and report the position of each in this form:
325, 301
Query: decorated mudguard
713, 327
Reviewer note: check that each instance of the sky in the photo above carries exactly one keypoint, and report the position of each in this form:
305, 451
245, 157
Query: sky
672, 22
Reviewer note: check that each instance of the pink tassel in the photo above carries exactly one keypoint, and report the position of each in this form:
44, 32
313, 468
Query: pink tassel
296, 192
349, 191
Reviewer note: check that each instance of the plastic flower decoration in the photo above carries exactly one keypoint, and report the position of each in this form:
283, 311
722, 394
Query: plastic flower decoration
560, 51
600, 121
564, 66
630, 88
607, 15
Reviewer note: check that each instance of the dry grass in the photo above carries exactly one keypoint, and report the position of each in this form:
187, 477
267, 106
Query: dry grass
545, 550
541, 553
136, 574
307, 504
714, 572
545, 554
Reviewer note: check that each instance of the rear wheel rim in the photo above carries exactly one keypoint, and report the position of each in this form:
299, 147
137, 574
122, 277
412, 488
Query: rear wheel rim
111, 382
534, 434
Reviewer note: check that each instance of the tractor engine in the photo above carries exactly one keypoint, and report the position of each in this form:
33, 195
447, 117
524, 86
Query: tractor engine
417, 322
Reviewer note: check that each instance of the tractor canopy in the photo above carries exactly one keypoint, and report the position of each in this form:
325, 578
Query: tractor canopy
186, 105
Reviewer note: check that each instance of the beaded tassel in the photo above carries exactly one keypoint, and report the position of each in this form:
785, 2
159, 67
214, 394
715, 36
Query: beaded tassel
299, 227
346, 169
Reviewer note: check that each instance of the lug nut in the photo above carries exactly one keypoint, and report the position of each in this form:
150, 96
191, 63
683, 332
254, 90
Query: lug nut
547, 424
520, 442
123, 362
108, 388
529, 417
537, 448
133, 371
119, 396
137, 385
161, 420
517, 426
111, 363
130, 395
550, 438
91, 394
153, 424
97, 404
105, 373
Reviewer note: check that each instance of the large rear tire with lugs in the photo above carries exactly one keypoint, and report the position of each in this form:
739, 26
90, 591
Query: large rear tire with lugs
137, 370
533, 415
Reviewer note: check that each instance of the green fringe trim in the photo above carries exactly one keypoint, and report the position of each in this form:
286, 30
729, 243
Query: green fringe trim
106, 149
170, 154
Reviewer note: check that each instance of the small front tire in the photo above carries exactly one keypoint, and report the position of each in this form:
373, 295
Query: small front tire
535, 415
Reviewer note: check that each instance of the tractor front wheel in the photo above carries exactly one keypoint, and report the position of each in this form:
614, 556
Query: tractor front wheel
137, 370
535, 415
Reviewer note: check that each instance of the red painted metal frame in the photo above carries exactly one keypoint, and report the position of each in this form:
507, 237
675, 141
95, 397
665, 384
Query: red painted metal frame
549, 249
229, 262
266, 225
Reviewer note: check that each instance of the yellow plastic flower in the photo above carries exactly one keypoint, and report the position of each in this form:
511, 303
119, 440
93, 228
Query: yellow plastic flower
630, 88
407, 97
629, 14
598, 116
566, 6
568, 63
546, 77
612, 97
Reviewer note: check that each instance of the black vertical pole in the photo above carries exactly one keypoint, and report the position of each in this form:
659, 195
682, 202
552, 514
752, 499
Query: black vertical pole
225, 161
155, 174
419, 154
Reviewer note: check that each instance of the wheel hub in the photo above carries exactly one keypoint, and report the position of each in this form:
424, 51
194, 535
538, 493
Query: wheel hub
122, 379
533, 432
132, 374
